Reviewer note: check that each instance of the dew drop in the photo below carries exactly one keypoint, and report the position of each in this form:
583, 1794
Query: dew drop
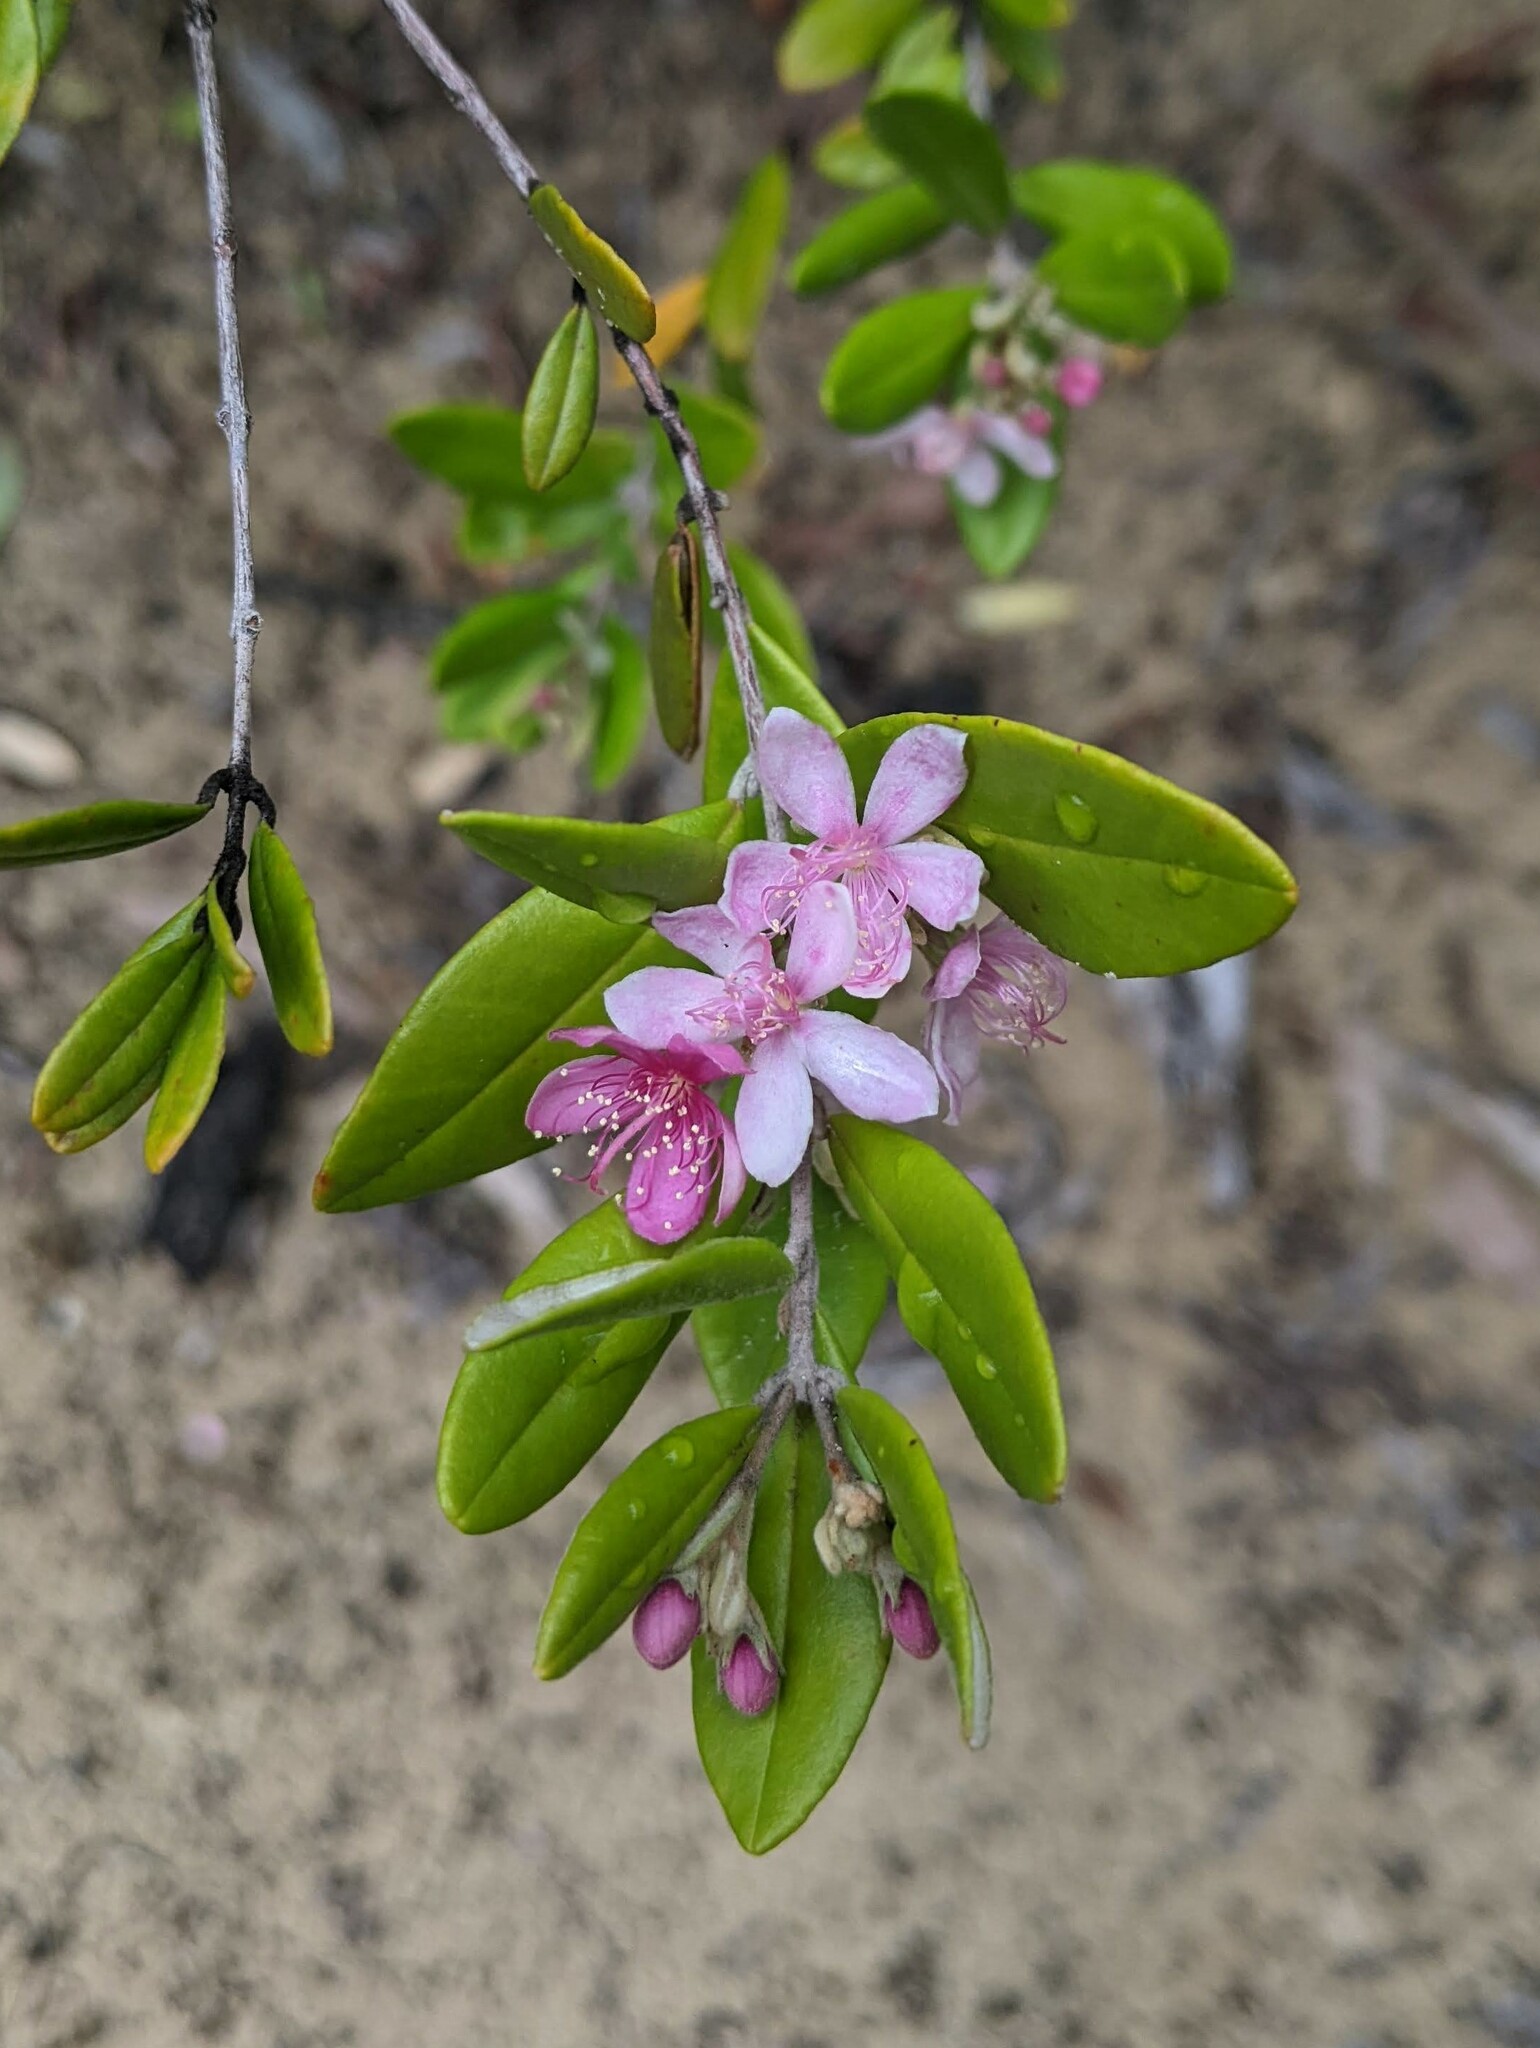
679, 1451
1020, 1421
981, 835
986, 1368
1184, 881
636, 1509
588, 860
1079, 821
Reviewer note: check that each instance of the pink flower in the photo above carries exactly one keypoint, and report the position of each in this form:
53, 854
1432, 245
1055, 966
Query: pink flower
965, 446
1079, 381
919, 776
748, 1681
665, 1624
995, 983
910, 1622
649, 1102
872, 1073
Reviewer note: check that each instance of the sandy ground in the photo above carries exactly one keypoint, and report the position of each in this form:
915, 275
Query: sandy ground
272, 1766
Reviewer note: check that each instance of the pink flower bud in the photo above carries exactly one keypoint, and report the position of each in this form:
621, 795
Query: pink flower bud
747, 1679
665, 1624
993, 374
1037, 419
1079, 381
910, 1621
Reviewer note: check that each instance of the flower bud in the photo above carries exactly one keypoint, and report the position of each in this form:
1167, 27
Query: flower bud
1037, 419
1079, 381
748, 1681
727, 1593
665, 1624
910, 1621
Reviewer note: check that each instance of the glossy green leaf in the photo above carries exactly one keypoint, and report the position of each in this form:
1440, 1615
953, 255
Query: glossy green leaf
726, 433
945, 146
20, 67
1111, 866
740, 1343
1078, 195
93, 830
448, 1097
781, 682
874, 231
123, 1035
562, 403
925, 57
846, 155
1000, 536
625, 872
772, 606
283, 918
525, 1418
239, 975
771, 1771
656, 1284
897, 358
674, 642
635, 1530
609, 280
620, 700
926, 1545
738, 288
53, 21
1032, 55
963, 1293
832, 39
80, 1137
478, 450
192, 1068
1127, 284
493, 640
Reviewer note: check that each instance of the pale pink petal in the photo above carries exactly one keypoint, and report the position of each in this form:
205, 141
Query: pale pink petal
701, 1064
956, 970
942, 881
707, 932
564, 1101
661, 1204
753, 870
655, 1005
883, 945
823, 942
1030, 453
917, 778
977, 478
734, 1174
952, 1044
870, 1071
901, 437
803, 769
774, 1117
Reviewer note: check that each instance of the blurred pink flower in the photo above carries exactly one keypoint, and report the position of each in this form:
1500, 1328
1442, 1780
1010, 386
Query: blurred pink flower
1079, 381
996, 983
965, 446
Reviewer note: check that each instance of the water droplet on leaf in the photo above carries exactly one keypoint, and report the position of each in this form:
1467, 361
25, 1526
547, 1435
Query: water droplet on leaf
636, 1509
986, 1367
679, 1451
1079, 821
588, 860
1184, 881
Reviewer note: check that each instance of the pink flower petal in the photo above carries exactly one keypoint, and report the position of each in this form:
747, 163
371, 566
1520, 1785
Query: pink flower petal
803, 769
735, 1176
918, 777
1031, 455
952, 1043
956, 970
774, 1117
654, 1005
942, 881
753, 870
871, 1072
564, 1101
978, 477
823, 942
707, 932
666, 1195
597, 1034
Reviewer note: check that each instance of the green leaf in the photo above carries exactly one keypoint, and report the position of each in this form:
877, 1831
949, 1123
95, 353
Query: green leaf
53, 21
635, 1530
1127, 284
478, 450
524, 1419
20, 67
496, 706
865, 236
657, 1284
897, 358
239, 974
1032, 54
1077, 195
782, 682
926, 1545
93, 830
846, 155
738, 287
283, 918
615, 287
493, 640
674, 643
625, 872
122, 1037
1000, 536
771, 1771
943, 144
80, 1137
192, 1068
741, 1344
925, 57
562, 403
1033, 13
963, 1293
620, 698
726, 433
832, 39
1111, 866
448, 1097
772, 606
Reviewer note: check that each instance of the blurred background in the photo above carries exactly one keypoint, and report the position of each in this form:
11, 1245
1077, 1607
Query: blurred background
272, 1766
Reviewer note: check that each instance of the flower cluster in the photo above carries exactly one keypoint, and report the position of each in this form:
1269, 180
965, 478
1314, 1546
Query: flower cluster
797, 927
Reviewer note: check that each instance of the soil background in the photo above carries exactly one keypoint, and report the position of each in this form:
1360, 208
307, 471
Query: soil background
273, 1769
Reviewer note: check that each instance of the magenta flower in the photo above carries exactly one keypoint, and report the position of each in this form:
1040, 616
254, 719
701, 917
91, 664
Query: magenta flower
665, 1624
650, 1103
872, 1073
965, 447
748, 1681
995, 983
909, 1621
919, 776
1079, 381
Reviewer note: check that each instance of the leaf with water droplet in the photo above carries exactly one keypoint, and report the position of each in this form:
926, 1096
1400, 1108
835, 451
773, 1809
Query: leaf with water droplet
721, 1269
624, 871
1076, 816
